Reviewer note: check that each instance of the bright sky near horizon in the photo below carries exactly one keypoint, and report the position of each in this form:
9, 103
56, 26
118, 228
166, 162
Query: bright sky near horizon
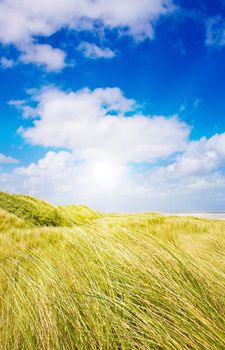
116, 104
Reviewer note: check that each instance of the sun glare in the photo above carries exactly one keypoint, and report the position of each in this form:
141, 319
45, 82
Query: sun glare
106, 173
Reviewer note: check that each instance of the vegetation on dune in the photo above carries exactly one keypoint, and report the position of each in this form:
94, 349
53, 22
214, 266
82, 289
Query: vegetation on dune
37, 212
79, 214
10, 221
115, 282
32, 210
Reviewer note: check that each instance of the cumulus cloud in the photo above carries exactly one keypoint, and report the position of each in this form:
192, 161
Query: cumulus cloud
7, 159
113, 155
196, 173
58, 177
103, 124
22, 21
44, 55
115, 186
201, 157
93, 51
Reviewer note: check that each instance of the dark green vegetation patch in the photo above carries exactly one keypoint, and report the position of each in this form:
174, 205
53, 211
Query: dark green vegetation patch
32, 210
37, 212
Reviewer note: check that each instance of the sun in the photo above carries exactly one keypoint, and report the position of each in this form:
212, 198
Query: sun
106, 173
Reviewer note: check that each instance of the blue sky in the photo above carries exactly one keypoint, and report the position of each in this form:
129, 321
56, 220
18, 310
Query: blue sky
119, 106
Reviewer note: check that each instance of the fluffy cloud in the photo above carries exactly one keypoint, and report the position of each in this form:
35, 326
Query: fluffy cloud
114, 155
22, 21
44, 55
59, 175
197, 176
93, 51
201, 157
7, 160
114, 186
106, 137
103, 124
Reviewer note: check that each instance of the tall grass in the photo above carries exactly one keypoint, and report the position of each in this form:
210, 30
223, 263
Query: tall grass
34, 211
115, 282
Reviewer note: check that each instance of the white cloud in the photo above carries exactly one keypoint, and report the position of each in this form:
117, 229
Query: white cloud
196, 179
52, 163
95, 125
44, 55
215, 31
201, 157
93, 51
104, 133
113, 186
7, 62
60, 178
24, 19
7, 160
114, 155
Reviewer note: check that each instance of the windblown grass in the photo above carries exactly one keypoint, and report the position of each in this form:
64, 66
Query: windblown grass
32, 210
79, 214
37, 212
113, 282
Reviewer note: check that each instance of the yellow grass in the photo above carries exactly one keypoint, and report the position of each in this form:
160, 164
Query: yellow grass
140, 281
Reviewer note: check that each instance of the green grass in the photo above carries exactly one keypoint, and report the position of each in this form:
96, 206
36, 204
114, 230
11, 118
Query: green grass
79, 214
112, 282
37, 212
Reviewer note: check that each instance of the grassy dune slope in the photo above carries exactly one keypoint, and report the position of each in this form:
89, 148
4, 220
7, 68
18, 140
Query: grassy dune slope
37, 212
79, 214
115, 282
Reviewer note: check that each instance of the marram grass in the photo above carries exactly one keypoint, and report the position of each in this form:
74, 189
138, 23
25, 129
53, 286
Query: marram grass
112, 282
